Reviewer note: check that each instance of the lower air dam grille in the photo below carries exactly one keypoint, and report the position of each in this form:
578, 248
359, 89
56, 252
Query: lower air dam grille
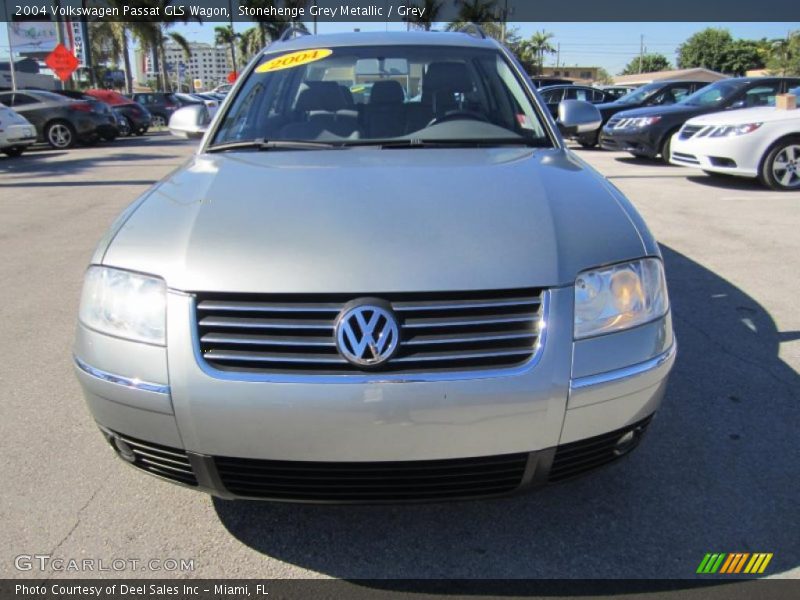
375, 481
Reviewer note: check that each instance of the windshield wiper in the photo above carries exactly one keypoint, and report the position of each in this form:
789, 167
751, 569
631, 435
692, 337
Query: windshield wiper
452, 143
263, 144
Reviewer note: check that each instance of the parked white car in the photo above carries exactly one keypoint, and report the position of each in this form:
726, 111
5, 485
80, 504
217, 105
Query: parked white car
761, 142
16, 132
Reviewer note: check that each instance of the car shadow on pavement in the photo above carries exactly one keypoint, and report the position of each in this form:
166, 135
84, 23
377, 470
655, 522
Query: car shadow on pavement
643, 161
718, 471
730, 182
78, 162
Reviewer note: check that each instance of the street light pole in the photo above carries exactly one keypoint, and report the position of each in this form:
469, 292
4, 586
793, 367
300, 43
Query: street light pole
11, 59
233, 37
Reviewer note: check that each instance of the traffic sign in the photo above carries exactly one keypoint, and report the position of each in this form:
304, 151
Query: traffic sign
62, 62
232, 76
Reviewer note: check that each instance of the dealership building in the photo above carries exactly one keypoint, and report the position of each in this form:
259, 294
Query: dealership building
210, 64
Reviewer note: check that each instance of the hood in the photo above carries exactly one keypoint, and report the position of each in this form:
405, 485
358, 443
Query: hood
12, 117
761, 114
371, 220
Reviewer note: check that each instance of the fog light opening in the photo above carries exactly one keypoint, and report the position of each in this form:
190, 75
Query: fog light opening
627, 441
123, 449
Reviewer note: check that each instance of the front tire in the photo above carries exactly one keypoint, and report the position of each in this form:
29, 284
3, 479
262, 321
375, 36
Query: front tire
780, 169
13, 151
589, 142
60, 135
666, 148
159, 121
125, 127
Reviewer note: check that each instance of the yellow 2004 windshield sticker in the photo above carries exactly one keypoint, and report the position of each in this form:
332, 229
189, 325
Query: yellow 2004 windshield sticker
293, 59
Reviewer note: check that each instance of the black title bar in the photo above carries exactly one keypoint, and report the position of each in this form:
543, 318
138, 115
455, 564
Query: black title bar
402, 10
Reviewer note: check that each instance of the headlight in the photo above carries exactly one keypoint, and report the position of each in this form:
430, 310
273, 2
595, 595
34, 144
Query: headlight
124, 304
733, 130
619, 297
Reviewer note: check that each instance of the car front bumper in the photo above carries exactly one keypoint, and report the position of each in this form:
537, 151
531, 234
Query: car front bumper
566, 412
635, 141
732, 155
20, 134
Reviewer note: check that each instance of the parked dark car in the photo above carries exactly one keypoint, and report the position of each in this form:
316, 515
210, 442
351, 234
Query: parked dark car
541, 82
108, 131
658, 93
617, 91
136, 116
553, 94
160, 104
647, 132
59, 121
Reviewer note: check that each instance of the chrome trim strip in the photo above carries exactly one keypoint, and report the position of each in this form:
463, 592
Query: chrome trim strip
377, 377
625, 372
127, 382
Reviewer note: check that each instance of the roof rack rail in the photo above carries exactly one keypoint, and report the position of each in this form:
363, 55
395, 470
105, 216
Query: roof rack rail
472, 29
291, 32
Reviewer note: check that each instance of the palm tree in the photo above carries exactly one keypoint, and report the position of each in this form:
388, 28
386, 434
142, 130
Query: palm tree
475, 11
432, 9
540, 45
250, 42
226, 36
271, 28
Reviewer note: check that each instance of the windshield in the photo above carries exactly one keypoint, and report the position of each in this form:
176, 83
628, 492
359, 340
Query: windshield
366, 94
640, 94
712, 95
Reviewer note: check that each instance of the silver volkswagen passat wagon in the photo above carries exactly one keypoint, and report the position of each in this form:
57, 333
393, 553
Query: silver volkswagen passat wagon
382, 277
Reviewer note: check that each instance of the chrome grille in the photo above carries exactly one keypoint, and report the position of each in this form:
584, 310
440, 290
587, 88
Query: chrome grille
372, 481
460, 331
688, 131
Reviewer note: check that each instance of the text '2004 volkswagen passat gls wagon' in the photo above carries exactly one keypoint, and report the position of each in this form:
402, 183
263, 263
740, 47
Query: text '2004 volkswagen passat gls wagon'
382, 277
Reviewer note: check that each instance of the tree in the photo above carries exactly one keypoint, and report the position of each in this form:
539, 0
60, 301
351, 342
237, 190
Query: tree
603, 77
741, 56
707, 49
531, 52
251, 40
784, 55
475, 11
648, 63
430, 15
226, 36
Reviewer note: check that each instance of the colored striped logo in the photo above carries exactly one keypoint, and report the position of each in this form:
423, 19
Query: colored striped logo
734, 562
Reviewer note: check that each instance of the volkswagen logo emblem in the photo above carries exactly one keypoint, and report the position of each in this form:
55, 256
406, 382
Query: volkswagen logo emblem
367, 334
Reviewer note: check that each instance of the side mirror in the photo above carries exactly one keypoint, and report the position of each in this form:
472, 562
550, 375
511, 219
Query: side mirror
739, 104
190, 121
577, 116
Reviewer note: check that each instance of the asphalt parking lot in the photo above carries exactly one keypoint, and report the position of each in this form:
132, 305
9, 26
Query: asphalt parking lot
717, 472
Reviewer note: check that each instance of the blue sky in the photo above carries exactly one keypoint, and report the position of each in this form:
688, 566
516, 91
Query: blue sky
608, 45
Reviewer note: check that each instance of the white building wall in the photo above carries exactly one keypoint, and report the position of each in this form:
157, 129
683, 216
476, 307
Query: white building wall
208, 63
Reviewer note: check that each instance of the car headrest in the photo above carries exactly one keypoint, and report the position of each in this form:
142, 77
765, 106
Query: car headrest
321, 95
348, 96
386, 92
446, 76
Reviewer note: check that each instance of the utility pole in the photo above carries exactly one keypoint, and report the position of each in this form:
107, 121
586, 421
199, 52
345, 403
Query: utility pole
558, 55
641, 52
233, 37
11, 59
505, 18
59, 32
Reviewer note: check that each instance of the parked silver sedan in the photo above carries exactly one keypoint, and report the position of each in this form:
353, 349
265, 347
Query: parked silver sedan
424, 296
